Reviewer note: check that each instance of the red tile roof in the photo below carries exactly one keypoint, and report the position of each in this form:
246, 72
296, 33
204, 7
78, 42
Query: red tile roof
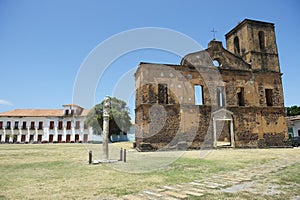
293, 118
37, 113
71, 105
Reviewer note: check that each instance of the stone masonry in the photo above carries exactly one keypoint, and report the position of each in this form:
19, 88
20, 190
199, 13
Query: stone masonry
232, 95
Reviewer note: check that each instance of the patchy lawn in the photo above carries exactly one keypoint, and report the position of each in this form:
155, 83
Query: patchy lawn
61, 171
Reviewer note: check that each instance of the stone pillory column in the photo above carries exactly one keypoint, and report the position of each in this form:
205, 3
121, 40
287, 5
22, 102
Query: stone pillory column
106, 109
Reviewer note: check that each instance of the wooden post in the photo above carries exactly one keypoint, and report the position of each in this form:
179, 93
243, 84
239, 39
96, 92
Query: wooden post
90, 156
124, 155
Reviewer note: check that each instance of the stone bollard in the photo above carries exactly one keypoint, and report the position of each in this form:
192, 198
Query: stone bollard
90, 156
124, 155
121, 154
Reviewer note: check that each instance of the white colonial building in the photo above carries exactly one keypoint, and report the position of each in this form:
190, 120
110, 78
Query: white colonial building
293, 124
45, 125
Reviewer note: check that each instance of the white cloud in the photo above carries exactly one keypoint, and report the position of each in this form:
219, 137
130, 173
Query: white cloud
4, 102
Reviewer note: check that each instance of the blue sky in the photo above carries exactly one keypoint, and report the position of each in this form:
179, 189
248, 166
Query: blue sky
44, 42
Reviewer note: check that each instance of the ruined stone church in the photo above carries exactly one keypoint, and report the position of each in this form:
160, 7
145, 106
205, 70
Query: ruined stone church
214, 97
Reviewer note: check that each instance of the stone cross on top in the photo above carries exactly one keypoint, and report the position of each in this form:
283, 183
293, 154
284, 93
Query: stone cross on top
214, 33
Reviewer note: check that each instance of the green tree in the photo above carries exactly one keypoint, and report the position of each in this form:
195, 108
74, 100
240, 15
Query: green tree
293, 110
119, 119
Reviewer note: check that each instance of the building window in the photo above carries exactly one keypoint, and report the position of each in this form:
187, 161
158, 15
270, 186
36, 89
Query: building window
198, 90
32, 125
66, 112
236, 45
51, 126
16, 125
60, 125
68, 125
1, 124
216, 63
24, 125
8, 124
261, 39
220, 96
72, 112
241, 98
162, 93
269, 97
40, 125
77, 126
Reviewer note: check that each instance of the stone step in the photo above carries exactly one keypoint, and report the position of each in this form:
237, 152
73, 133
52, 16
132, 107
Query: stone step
151, 193
169, 198
169, 187
176, 194
134, 197
198, 190
196, 194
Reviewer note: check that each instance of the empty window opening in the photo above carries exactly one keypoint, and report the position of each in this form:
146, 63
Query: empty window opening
269, 97
51, 127
40, 125
72, 112
24, 125
32, 125
261, 38
198, 90
162, 93
1, 125
67, 112
236, 45
220, 96
16, 125
241, 98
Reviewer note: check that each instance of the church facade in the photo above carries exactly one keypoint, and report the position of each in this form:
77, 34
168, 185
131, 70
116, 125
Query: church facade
216, 96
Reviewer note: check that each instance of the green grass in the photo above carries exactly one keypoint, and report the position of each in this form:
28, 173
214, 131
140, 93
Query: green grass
61, 171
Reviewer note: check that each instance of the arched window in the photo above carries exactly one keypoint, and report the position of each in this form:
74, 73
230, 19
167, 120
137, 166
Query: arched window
261, 39
236, 45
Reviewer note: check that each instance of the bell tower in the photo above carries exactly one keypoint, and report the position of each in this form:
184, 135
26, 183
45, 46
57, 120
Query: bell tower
255, 42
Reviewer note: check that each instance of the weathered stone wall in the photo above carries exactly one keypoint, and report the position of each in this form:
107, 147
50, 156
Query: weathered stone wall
158, 125
250, 80
247, 33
